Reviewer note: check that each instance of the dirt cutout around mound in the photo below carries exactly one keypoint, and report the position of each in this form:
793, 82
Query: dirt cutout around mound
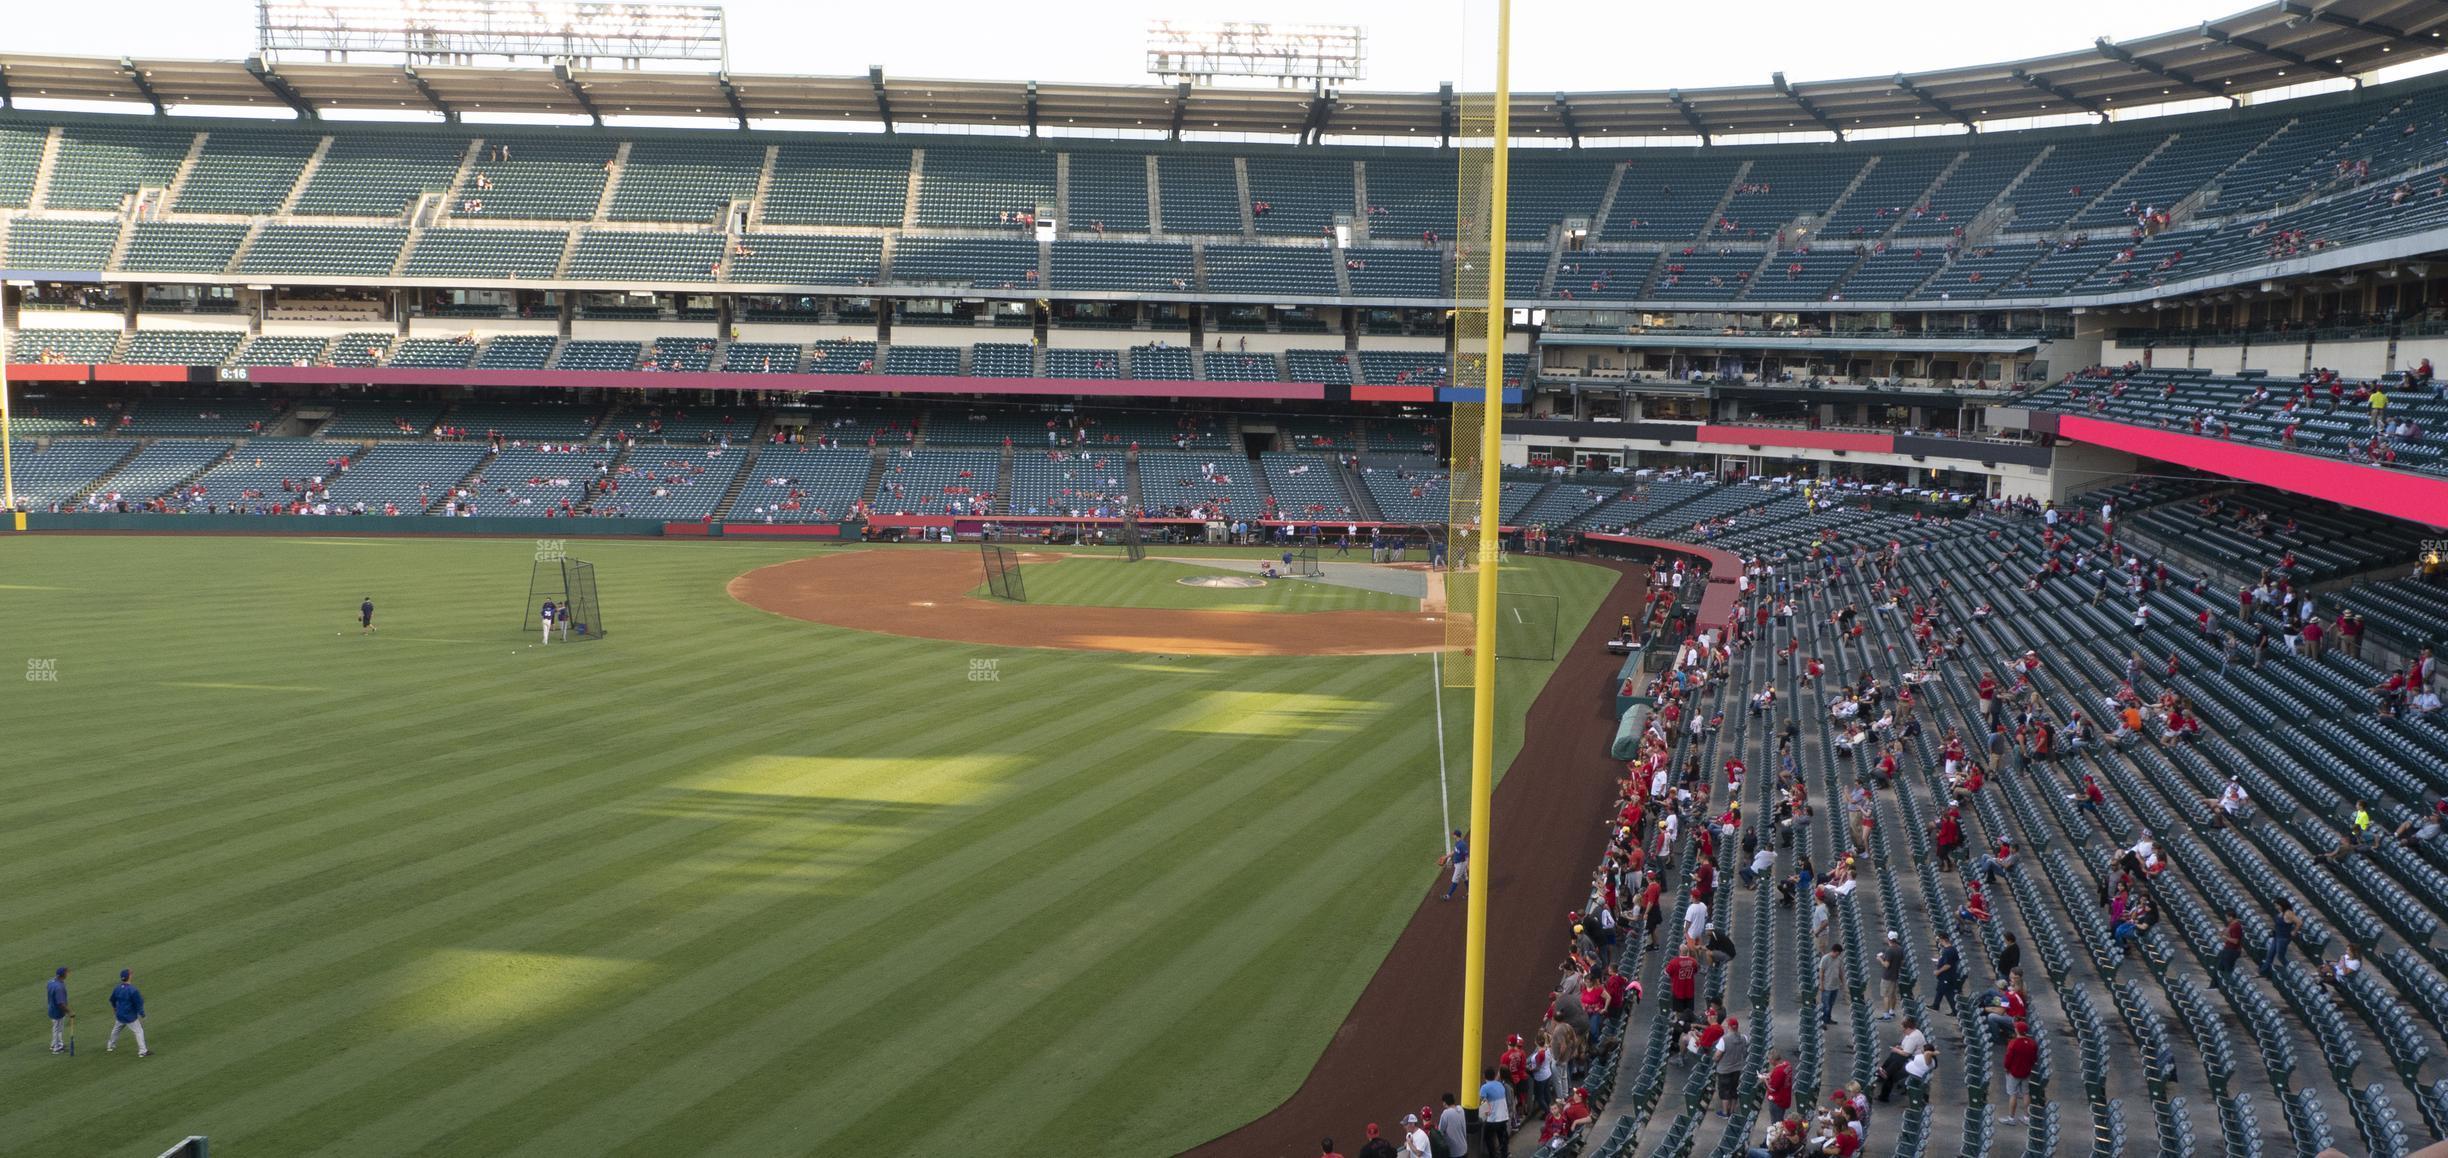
926, 594
1399, 1046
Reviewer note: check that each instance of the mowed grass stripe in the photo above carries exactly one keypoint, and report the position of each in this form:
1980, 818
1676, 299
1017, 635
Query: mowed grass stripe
400, 713
459, 808
422, 874
804, 974
1181, 935
466, 885
331, 1015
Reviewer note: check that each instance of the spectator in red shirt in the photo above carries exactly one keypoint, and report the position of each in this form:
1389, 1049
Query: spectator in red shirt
1778, 1085
2022, 1055
1682, 979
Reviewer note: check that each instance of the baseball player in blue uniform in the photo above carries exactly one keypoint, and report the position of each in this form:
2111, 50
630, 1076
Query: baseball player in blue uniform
561, 615
127, 1010
55, 999
365, 615
1459, 858
548, 620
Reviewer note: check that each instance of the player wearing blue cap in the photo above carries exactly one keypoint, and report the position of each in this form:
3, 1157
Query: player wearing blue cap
127, 1007
55, 999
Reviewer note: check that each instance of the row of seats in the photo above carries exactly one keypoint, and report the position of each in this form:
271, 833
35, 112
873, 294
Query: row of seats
2253, 408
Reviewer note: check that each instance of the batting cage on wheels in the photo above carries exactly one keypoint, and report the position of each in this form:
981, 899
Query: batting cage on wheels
1002, 573
1305, 561
569, 585
1133, 547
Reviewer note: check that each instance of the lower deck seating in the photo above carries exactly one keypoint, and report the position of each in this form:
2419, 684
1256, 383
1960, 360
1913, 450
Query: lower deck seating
678, 483
1406, 492
803, 484
939, 482
525, 482
57, 473
1179, 484
1306, 485
404, 478
1093, 485
163, 463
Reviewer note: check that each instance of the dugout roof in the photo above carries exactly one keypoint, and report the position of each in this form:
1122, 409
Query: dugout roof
2269, 46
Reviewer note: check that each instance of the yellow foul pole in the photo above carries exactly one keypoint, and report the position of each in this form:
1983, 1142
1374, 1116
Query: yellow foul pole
1483, 649
8, 469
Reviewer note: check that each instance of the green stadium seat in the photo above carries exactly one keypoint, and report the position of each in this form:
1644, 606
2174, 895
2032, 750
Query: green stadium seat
839, 183
367, 174
182, 246
41, 244
101, 165
330, 250
242, 171
487, 254
684, 180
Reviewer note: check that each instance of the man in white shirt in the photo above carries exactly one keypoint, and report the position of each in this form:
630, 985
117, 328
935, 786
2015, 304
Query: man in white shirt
1758, 870
2229, 805
1696, 919
2425, 702
1415, 1138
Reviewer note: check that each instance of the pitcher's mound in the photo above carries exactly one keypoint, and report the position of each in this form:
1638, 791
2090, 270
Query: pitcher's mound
1235, 581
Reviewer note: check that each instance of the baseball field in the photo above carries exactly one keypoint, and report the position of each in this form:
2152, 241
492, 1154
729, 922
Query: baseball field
729, 881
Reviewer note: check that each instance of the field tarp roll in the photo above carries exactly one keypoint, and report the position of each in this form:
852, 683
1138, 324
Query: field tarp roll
1628, 733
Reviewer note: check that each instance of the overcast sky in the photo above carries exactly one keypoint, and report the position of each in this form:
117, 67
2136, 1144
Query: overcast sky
1412, 45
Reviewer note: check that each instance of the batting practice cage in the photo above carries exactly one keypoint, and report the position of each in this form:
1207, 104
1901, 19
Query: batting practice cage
566, 583
1132, 545
1003, 573
1305, 561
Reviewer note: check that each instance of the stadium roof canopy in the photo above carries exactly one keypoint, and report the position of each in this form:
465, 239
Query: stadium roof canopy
2271, 46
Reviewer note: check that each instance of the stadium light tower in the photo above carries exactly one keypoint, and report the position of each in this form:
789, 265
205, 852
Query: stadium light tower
585, 33
1314, 56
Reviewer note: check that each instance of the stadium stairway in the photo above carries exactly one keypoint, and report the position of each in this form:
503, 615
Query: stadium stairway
1357, 492
620, 459
442, 500
875, 476
739, 482
102, 481
1003, 482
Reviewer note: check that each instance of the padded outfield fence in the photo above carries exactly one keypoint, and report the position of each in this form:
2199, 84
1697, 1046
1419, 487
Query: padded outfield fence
1528, 624
1002, 573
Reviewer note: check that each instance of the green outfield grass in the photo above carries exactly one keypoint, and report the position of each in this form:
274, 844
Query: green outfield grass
723, 883
1098, 582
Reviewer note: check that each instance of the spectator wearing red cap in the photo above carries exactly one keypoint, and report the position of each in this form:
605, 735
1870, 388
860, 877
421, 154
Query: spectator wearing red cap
2021, 1056
1376, 1146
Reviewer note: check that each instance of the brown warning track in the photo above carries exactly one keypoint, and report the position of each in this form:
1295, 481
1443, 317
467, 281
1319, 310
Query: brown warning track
925, 593
1400, 1047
